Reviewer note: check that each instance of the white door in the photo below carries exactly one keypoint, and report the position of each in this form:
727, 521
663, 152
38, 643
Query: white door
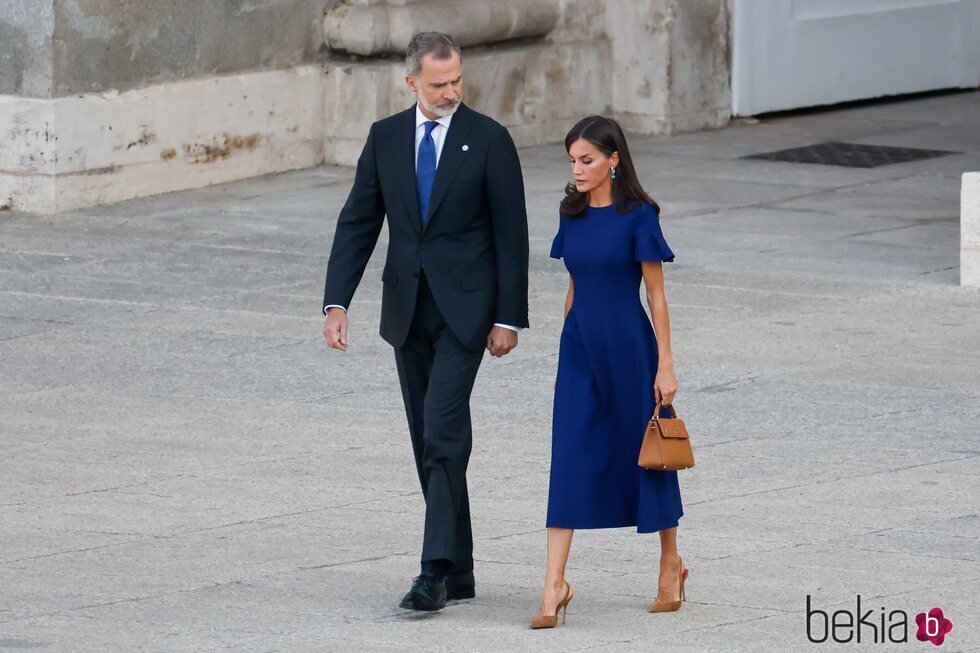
802, 53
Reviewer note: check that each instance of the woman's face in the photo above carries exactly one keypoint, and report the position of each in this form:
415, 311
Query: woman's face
590, 167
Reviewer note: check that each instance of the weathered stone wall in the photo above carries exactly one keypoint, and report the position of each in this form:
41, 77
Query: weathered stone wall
379, 29
54, 48
103, 100
537, 90
581, 20
700, 65
671, 64
69, 152
26, 28
658, 66
535, 76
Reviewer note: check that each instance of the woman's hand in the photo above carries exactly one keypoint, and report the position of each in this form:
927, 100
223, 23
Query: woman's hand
665, 385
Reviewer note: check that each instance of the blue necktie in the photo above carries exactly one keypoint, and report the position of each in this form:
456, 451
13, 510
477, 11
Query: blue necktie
425, 172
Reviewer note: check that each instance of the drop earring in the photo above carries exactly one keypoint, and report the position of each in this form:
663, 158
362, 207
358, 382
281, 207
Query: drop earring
612, 172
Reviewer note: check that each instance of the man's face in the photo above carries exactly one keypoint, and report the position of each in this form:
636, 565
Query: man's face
438, 86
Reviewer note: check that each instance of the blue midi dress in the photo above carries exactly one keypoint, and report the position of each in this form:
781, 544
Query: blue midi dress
607, 363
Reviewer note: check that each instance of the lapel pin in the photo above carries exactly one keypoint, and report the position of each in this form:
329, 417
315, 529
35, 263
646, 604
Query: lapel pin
466, 148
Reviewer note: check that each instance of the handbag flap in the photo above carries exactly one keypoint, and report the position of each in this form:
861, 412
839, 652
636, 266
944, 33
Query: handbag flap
672, 427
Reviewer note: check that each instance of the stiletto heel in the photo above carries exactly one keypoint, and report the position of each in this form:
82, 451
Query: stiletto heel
671, 606
551, 620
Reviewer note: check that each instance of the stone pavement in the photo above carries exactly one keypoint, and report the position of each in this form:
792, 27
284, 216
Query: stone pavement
184, 466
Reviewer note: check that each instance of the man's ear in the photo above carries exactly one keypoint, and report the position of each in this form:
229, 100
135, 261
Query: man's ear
410, 81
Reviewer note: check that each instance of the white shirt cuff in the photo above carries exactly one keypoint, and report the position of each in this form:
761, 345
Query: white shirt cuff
506, 326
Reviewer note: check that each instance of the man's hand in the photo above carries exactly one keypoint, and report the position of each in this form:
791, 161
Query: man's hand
501, 341
335, 328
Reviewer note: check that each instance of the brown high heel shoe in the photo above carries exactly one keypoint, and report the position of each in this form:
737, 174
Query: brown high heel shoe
671, 606
551, 620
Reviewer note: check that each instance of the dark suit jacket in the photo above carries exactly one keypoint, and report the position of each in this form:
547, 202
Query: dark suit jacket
474, 249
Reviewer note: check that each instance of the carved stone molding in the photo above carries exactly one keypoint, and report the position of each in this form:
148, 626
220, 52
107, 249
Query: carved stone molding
378, 29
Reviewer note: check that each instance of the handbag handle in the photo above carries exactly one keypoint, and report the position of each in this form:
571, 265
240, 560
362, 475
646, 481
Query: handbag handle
670, 407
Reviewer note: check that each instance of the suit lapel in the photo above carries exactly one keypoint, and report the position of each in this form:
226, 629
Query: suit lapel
405, 152
451, 158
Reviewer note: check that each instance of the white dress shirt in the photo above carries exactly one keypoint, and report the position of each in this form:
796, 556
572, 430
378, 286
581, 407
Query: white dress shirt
438, 134
439, 137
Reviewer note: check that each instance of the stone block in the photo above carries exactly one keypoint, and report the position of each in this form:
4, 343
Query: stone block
970, 230
26, 28
98, 148
376, 29
670, 65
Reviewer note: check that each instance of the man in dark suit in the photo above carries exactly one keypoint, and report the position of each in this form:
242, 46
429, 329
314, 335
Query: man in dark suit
454, 283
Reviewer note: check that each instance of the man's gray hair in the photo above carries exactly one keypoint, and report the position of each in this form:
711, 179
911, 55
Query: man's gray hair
438, 44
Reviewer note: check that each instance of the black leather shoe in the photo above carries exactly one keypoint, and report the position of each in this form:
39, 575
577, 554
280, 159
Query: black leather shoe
460, 586
428, 593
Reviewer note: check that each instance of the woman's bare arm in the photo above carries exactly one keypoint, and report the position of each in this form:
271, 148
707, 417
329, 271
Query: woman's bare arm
665, 385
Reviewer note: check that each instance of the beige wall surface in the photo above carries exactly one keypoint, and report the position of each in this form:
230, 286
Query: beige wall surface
100, 102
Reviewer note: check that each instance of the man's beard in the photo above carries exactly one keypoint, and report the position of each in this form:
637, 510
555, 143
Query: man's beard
439, 111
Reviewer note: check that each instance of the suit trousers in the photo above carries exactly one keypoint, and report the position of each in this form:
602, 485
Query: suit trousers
437, 374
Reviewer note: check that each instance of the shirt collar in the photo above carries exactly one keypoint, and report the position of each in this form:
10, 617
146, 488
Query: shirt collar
420, 118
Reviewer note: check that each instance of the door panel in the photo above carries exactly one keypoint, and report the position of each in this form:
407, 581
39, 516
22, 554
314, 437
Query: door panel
805, 53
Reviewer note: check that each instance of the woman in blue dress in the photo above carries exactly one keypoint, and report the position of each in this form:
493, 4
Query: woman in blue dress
612, 365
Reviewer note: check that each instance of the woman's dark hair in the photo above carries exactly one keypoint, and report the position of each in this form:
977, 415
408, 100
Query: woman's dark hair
607, 135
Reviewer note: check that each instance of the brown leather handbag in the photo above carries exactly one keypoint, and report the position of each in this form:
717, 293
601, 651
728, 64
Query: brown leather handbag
666, 444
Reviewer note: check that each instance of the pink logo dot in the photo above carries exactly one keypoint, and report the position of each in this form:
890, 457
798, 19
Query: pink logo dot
933, 626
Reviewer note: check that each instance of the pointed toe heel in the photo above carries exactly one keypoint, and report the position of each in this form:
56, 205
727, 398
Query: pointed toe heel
551, 620
672, 606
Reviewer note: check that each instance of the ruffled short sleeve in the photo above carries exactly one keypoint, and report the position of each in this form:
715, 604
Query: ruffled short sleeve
648, 240
558, 244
